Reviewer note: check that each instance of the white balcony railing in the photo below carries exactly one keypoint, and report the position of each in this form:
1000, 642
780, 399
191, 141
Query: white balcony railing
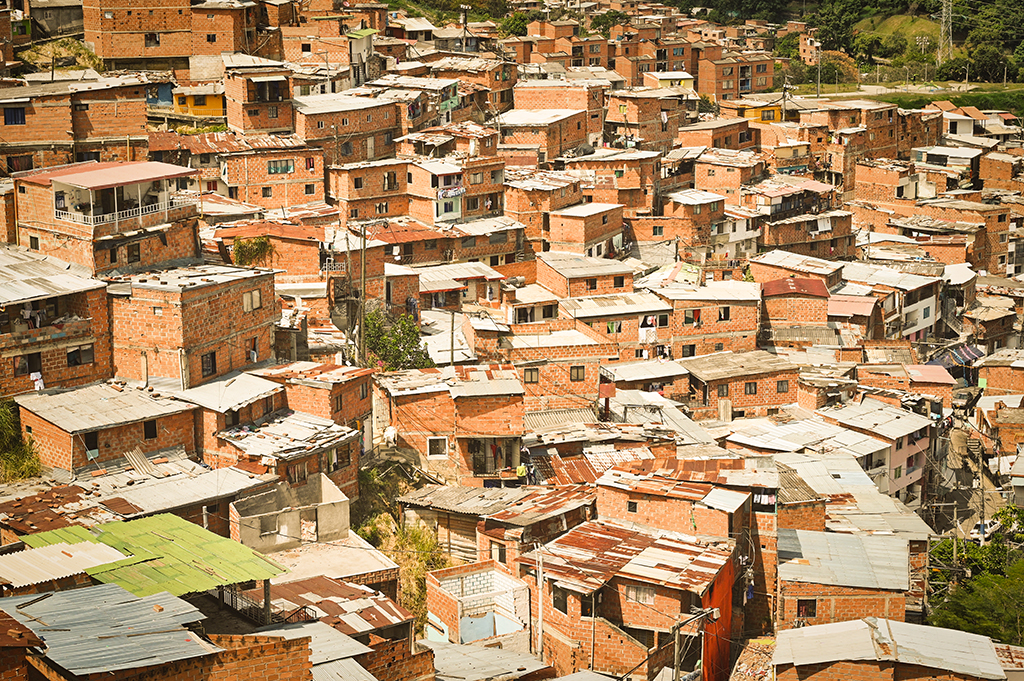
138, 211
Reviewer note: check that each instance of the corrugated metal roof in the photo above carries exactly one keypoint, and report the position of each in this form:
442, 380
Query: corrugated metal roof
556, 417
798, 263
615, 305
351, 609
106, 629
794, 286
734, 365
466, 500
851, 306
542, 504
26, 276
99, 406
643, 371
877, 417
867, 562
455, 662
56, 561
286, 434
459, 381
167, 554
890, 641
326, 644
231, 391
589, 555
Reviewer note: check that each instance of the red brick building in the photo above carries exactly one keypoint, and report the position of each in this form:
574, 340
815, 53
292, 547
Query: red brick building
538, 136
628, 609
102, 422
753, 383
820, 583
55, 124
107, 216
876, 649
157, 36
586, 96
720, 316
593, 229
55, 326
191, 325
464, 423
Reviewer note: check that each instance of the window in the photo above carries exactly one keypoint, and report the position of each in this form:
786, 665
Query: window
473, 203
498, 552
782, 386
211, 37
307, 47
310, 189
498, 238
560, 599
691, 316
723, 313
297, 473
92, 445
577, 373
723, 389
927, 312
631, 506
807, 607
33, 243
750, 387
468, 242
14, 115
149, 429
614, 327
658, 230
591, 284
271, 112
662, 320
252, 300
549, 311
696, 209
28, 364
497, 176
209, 364
531, 375
727, 71
268, 524
338, 402
640, 594
134, 254
476, 178
280, 167
898, 473
719, 347
85, 107
689, 350
381, 208
437, 447
83, 354
899, 443
364, 390
357, 182
152, 40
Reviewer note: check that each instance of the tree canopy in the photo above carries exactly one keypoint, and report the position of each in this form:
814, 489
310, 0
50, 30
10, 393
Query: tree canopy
394, 344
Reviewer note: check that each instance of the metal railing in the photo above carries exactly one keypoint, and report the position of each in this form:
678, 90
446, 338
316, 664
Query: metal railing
128, 214
253, 610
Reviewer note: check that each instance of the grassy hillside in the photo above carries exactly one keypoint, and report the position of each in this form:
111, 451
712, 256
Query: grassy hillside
909, 26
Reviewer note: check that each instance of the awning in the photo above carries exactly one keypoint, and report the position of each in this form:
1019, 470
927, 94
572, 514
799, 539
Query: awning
269, 79
959, 356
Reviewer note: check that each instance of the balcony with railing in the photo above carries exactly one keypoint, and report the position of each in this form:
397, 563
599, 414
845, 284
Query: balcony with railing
96, 197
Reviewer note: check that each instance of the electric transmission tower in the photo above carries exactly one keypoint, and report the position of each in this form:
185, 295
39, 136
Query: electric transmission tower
946, 32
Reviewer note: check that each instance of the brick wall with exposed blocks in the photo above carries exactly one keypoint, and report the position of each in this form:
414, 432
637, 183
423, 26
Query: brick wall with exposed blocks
836, 604
664, 513
1002, 379
769, 394
53, 345
880, 379
251, 175
200, 320
242, 657
762, 273
587, 98
394, 661
794, 309
808, 515
738, 332
550, 279
322, 401
60, 449
116, 31
13, 664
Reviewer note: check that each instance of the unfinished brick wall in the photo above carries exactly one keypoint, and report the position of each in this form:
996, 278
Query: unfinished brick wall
666, 513
796, 310
394, 661
837, 604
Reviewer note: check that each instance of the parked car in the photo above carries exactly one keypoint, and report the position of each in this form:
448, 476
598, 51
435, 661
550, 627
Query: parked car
985, 530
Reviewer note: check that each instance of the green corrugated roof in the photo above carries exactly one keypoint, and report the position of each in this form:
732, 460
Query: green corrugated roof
166, 553
362, 33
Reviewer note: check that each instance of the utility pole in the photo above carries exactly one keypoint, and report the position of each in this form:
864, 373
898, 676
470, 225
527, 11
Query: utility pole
817, 91
700, 616
452, 362
540, 601
362, 298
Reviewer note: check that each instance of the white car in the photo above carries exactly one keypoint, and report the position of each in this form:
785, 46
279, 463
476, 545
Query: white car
985, 530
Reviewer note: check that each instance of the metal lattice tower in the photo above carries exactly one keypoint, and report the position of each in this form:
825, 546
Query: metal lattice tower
946, 32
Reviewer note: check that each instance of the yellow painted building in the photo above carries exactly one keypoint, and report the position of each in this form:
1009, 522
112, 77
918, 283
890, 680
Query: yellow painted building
206, 101
752, 109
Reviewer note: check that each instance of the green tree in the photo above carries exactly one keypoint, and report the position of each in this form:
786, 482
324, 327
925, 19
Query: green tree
603, 23
990, 604
515, 23
988, 63
394, 344
255, 251
868, 46
893, 45
788, 46
18, 458
835, 20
